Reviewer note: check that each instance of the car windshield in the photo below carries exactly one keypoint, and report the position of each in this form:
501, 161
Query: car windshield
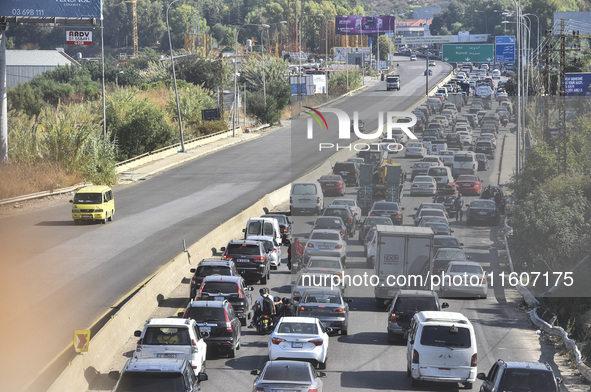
320, 298
469, 269
415, 303
202, 314
207, 270
298, 328
445, 336
324, 264
243, 249
385, 206
220, 287
528, 380
304, 189
88, 198
280, 372
166, 336
151, 382
319, 235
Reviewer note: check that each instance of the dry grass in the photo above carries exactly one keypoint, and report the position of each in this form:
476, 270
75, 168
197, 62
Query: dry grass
158, 97
24, 180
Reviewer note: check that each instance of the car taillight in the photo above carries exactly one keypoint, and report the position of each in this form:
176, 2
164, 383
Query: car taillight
415, 356
338, 246
318, 200
431, 186
258, 258
399, 215
312, 390
339, 310
277, 340
317, 342
193, 347
474, 360
350, 220
302, 308
372, 214
228, 257
240, 293
199, 293
393, 317
274, 250
186, 313
483, 280
194, 279
285, 229
310, 245
228, 323
356, 174
259, 389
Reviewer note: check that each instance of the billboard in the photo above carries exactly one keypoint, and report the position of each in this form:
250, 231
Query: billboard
340, 53
51, 9
78, 37
577, 83
468, 53
364, 24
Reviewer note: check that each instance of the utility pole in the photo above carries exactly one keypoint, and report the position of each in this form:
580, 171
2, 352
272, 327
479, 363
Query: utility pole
561, 106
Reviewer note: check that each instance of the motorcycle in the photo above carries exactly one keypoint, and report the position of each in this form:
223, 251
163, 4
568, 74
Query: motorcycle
264, 324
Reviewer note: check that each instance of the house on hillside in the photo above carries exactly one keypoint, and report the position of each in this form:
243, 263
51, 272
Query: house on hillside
24, 65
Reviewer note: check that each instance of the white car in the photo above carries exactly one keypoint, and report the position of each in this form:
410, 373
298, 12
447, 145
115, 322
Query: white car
272, 248
326, 243
464, 278
415, 149
299, 338
444, 120
423, 185
465, 137
352, 203
428, 210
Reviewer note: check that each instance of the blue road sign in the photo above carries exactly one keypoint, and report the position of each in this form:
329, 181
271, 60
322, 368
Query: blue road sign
505, 39
578, 83
504, 53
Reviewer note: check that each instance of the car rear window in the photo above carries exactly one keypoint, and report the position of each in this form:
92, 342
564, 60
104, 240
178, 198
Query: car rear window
329, 222
378, 220
437, 171
445, 336
446, 242
304, 189
242, 249
287, 373
202, 314
319, 298
343, 166
324, 264
385, 206
340, 212
482, 204
415, 303
220, 287
151, 382
207, 270
451, 254
469, 269
167, 336
325, 236
298, 328
463, 157
528, 379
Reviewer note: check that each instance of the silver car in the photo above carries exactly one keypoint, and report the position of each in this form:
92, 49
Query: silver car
464, 279
296, 376
328, 306
326, 243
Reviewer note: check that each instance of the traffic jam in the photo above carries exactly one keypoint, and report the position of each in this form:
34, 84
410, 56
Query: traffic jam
358, 250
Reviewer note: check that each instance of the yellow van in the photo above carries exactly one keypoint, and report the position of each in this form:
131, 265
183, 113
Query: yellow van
93, 203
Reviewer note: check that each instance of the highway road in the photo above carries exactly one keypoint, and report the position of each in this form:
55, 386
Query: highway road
56, 277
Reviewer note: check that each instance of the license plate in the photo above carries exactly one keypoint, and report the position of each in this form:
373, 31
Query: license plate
219, 298
243, 260
297, 344
87, 216
304, 200
482, 212
165, 355
444, 371
205, 329
345, 173
284, 390
329, 184
324, 247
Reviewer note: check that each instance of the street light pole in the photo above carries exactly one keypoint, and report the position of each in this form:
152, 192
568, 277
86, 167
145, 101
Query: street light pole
176, 91
326, 53
264, 26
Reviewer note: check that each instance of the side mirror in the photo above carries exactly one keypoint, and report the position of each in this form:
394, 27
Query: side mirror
223, 249
321, 374
114, 375
451, 231
559, 380
468, 257
349, 300
402, 209
481, 376
254, 372
328, 329
202, 377
214, 251
416, 208
461, 244
137, 334
193, 270
251, 288
444, 305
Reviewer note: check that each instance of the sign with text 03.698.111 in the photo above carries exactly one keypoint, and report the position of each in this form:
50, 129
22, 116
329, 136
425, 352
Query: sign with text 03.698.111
51, 9
468, 53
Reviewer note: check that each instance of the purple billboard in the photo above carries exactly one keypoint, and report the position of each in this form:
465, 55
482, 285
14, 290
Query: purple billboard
364, 24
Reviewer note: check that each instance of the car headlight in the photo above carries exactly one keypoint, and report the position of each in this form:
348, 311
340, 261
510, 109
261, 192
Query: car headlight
75, 211
98, 210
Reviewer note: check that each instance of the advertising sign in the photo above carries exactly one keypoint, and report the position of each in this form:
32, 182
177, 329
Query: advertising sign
340, 53
302, 85
505, 49
52, 9
426, 40
468, 53
364, 24
78, 37
577, 83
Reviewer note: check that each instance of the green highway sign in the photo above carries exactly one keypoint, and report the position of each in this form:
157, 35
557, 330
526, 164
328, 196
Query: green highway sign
468, 53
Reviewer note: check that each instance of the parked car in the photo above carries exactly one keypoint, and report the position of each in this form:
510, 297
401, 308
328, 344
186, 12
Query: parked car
519, 376
388, 209
345, 213
332, 185
289, 376
348, 171
207, 267
325, 243
405, 305
423, 185
469, 185
230, 288
328, 306
465, 279
172, 338
220, 323
483, 210
302, 338
250, 257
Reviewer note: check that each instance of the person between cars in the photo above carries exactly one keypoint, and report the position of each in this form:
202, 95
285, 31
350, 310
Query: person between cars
458, 204
286, 309
263, 306
298, 250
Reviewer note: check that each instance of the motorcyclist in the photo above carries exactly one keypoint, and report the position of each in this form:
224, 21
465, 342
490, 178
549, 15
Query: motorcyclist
259, 306
286, 309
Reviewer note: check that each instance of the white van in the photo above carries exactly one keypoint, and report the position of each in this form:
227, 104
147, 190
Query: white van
441, 347
464, 163
306, 196
441, 174
265, 227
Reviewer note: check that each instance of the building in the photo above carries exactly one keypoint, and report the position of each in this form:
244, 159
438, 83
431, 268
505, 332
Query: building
413, 28
24, 65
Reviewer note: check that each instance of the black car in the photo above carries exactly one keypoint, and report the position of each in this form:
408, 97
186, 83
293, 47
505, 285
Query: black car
404, 306
453, 140
349, 171
250, 258
483, 211
284, 226
485, 147
446, 241
482, 161
331, 223
389, 209
230, 288
345, 213
208, 267
448, 202
221, 322
519, 376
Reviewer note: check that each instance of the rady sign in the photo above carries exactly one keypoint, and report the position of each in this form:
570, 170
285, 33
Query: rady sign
78, 37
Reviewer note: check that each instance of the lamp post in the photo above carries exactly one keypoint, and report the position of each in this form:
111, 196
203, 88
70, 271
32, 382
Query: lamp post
538, 30
326, 53
264, 26
176, 91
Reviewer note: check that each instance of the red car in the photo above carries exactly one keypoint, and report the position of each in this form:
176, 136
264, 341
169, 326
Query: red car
469, 184
332, 184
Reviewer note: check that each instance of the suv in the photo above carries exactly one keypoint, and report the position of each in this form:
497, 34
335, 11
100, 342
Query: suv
231, 288
284, 226
344, 212
210, 267
220, 321
347, 170
251, 259
168, 374
172, 338
404, 306
519, 376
